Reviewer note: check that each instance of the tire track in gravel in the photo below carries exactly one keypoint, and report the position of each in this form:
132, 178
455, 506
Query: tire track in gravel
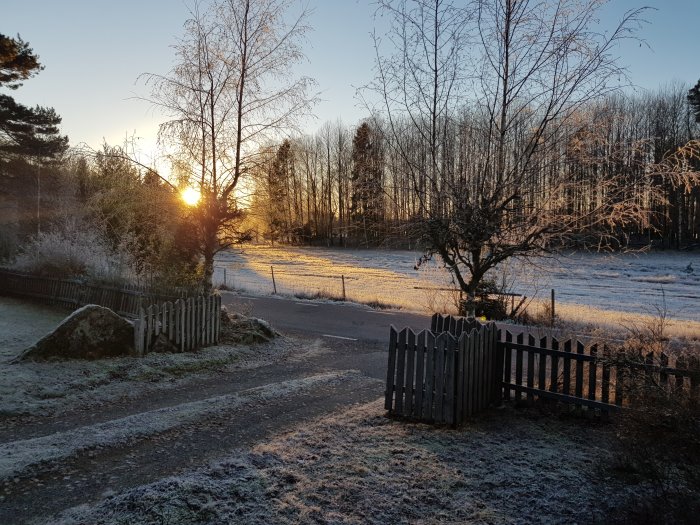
90, 474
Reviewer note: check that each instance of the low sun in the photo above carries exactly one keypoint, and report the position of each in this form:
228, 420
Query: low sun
190, 196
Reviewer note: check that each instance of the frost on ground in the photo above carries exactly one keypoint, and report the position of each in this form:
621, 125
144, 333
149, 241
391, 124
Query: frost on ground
23, 323
588, 286
16, 456
53, 388
360, 467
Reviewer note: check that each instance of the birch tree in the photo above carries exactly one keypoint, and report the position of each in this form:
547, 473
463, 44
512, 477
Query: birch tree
231, 90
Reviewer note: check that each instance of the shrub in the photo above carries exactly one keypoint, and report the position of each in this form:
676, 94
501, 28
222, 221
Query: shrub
75, 250
659, 433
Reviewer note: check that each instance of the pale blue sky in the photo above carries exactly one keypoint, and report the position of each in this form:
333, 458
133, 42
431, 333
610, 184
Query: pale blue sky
94, 50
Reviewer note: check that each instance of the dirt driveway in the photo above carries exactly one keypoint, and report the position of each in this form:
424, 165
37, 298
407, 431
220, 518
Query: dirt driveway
292, 431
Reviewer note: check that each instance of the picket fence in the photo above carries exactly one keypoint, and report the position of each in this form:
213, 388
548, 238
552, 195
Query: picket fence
587, 376
439, 378
187, 323
470, 365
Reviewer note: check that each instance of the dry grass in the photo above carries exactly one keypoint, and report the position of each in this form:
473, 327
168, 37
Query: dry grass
360, 467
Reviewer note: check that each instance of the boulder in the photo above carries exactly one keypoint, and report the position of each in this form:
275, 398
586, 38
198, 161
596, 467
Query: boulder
239, 329
91, 332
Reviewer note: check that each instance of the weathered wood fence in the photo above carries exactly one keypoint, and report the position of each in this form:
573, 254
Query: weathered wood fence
187, 323
440, 378
73, 293
453, 325
462, 366
591, 376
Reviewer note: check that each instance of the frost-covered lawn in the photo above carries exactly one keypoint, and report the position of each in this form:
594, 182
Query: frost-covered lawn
359, 467
589, 287
22, 323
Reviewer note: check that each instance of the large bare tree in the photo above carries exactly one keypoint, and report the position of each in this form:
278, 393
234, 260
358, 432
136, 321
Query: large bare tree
232, 89
507, 79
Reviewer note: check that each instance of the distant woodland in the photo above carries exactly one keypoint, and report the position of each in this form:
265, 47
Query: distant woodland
346, 186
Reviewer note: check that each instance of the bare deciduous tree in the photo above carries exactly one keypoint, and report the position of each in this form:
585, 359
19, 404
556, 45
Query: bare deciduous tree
506, 78
230, 91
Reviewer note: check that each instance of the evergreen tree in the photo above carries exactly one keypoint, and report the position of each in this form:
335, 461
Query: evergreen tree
694, 100
367, 204
25, 132
17, 62
278, 181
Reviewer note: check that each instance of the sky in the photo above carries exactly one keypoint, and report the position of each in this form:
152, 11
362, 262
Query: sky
94, 51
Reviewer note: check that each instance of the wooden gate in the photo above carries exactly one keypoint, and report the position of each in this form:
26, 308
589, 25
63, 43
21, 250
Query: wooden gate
441, 378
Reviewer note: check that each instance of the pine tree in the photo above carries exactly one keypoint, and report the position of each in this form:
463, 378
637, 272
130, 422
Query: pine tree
17, 62
24, 131
279, 220
367, 204
694, 100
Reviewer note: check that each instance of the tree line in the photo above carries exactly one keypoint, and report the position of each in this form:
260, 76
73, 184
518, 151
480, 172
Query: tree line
346, 185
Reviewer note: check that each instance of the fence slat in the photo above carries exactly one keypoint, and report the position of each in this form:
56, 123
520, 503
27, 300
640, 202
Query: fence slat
530, 369
400, 370
542, 366
429, 376
410, 375
580, 349
420, 371
554, 367
592, 373
663, 375
459, 380
391, 368
519, 366
605, 378
508, 366
448, 414
440, 349
566, 385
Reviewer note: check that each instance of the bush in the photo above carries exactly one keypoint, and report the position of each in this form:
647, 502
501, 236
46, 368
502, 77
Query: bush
659, 433
75, 250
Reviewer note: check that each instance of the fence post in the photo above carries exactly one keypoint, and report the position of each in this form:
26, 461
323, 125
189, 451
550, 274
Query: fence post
342, 277
553, 312
274, 284
217, 328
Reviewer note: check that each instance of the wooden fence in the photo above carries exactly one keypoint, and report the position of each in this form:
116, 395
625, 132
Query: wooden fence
439, 378
456, 326
590, 376
187, 323
73, 293
462, 366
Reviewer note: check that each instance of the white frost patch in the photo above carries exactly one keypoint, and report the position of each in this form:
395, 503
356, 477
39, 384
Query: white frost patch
656, 279
16, 456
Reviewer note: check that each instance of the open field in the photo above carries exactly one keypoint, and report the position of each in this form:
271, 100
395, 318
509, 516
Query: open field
599, 289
